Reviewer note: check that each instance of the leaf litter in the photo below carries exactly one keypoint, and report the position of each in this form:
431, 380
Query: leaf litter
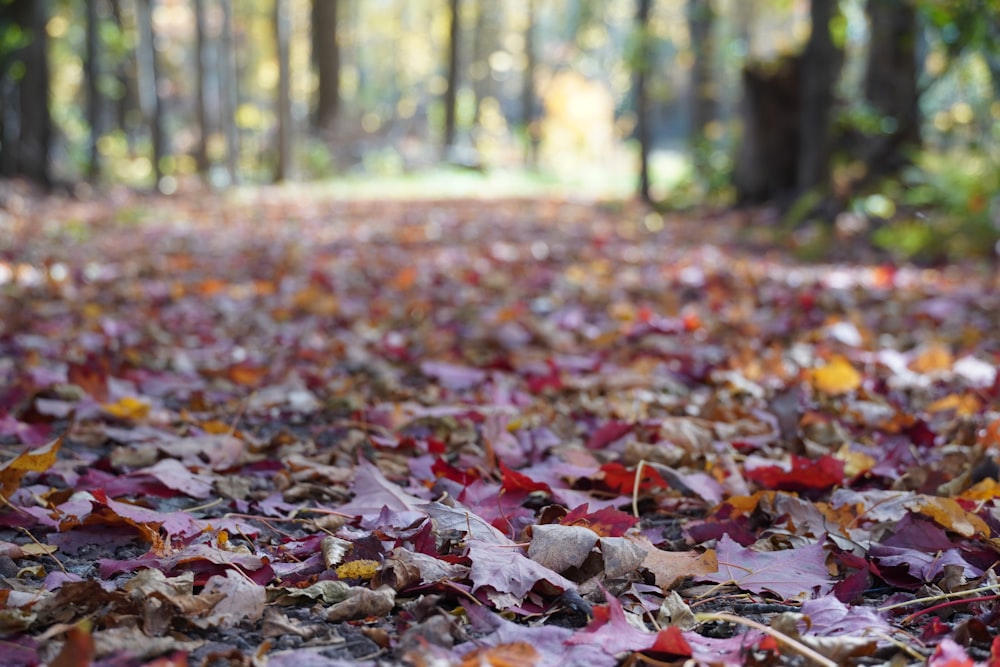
291, 431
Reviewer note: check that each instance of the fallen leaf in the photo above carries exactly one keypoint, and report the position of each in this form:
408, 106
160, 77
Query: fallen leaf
39, 459
837, 377
792, 574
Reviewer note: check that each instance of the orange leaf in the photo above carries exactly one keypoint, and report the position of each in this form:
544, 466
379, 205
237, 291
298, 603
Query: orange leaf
964, 405
78, 651
514, 654
405, 279
932, 358
33, 460
949, 514
127, 408
248, 376
837, 377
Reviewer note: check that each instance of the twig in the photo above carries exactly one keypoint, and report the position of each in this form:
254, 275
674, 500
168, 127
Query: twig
44, 548
206, 506
935, 598
791, 643
949, 603
635, 487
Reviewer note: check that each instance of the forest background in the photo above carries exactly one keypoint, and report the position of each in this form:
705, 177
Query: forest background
885, 113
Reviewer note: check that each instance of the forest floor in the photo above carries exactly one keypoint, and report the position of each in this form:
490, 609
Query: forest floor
285, 430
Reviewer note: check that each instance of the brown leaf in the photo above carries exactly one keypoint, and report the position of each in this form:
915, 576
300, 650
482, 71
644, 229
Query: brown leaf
362, 602
669, 567
561, 547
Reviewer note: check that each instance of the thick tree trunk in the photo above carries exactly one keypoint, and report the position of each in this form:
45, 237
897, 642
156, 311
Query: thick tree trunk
766, 167
282, 26
641, 67
891, 83
26, 132
820, 68
326, 56
451, 94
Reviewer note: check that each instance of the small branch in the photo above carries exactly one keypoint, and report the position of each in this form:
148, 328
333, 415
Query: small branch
791, 643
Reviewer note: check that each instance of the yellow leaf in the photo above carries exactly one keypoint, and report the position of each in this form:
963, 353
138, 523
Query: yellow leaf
33, 460
964, 405
127, 408
855, 463
358, 569
987, 489
837, 377
948, 513
933, 358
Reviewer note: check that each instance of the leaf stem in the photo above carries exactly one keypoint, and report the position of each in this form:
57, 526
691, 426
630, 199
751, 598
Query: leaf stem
791, 643
943, 596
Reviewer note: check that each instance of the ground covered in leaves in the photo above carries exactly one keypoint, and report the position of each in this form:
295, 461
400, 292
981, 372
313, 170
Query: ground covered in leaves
285, 431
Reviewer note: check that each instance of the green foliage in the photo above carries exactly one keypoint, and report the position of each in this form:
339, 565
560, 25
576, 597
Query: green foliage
949, 208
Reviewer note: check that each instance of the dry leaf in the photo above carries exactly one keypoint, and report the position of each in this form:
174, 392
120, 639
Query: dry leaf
32, 460
837, 377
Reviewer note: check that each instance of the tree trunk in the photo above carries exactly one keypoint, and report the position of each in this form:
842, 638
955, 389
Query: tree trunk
766, 166
701, 21
326, 56
229, 92
92, 74
820, 68
528, 89
891, 83
201, 65
641, 68
26, 132
149, 94
282, 26
451, 93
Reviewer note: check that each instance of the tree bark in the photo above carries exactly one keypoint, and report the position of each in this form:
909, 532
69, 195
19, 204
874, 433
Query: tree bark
820, 68
701, 21
282, 26
92, 74
149, 94
229, 92
26, 132
528, 89
767, 164
326, 56
201, 66
891, 83
451, 93
641, 68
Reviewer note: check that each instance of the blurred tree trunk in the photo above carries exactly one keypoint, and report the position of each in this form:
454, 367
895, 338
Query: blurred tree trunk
125, 73
451, 93
484, 42
25, 122
326, 56
92, 74
766, 166
891, 83
641, 68
282, 28
820, 69
201, 65
149, 94
228, 79
701, 21
528, 90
